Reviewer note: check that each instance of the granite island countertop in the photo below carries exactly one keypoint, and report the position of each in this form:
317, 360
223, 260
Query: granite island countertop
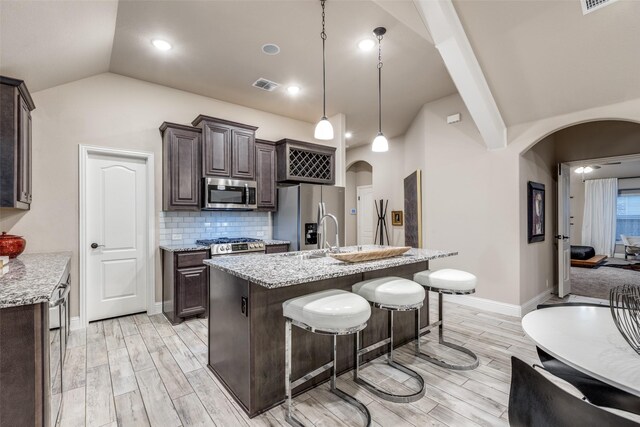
287, 269
32, 278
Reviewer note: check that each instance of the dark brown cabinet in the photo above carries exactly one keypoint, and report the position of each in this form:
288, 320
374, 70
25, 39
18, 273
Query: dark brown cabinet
181, 167
228, 148
300, 161
275, 249
185, 284
266, 175
191, 295
15, 144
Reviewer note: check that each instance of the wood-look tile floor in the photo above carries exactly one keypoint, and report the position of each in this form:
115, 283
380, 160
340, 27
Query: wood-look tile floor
141, 371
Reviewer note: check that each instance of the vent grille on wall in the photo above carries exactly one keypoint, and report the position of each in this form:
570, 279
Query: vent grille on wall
307, 164
591, 5
265, 84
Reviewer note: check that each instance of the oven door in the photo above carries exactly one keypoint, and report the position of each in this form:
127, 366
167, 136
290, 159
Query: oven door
229, 194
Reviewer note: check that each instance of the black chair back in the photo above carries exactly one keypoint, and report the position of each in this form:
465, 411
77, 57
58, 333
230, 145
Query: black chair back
536, 401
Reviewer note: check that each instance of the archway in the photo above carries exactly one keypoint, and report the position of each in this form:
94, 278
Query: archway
359, 176
579, 142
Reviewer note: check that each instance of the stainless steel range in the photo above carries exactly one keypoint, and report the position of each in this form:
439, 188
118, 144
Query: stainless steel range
232, 245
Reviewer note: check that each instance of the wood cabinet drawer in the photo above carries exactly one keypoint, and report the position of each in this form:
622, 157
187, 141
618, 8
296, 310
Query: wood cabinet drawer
191, 259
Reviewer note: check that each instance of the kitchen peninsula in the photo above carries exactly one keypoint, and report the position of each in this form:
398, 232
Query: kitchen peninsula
246, 326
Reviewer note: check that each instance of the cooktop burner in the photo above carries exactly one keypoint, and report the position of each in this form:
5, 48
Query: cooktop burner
232, 245
225, 240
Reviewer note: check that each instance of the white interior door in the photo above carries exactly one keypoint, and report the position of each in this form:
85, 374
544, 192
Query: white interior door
116, 235
365, 220
564, 224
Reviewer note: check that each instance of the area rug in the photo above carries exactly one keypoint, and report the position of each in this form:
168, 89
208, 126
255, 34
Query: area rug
634, 267
596, 282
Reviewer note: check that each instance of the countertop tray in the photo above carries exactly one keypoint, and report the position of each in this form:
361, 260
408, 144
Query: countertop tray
371, 254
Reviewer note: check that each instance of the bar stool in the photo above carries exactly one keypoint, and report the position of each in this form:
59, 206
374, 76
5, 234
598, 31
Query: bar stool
332, 312
391, 294
445, 281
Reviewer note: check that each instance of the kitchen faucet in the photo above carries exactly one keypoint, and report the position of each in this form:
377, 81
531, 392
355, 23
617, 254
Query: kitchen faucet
335, 221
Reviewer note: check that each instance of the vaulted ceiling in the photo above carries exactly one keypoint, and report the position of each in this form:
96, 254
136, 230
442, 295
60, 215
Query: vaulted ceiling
540, 58
217, 52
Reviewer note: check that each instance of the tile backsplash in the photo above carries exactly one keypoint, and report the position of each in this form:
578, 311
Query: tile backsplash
178, 228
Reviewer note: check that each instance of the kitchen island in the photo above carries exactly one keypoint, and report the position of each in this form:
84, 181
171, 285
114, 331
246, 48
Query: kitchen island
246, 326
31, 356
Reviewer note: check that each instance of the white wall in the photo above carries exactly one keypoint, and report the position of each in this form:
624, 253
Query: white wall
114, 111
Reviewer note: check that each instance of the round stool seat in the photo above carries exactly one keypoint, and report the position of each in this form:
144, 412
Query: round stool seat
331, 310
390, 291
447, 279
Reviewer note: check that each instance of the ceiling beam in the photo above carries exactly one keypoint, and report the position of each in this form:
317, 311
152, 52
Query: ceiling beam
451, 41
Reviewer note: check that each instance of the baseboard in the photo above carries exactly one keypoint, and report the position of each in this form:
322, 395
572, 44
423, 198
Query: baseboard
155, 309
485, 304
533, 302
74, 324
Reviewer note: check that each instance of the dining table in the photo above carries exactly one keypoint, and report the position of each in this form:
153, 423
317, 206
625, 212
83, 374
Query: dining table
587, 339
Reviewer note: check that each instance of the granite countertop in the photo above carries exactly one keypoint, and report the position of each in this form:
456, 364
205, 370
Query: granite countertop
32, 278
184, 247
287, 269
272, 242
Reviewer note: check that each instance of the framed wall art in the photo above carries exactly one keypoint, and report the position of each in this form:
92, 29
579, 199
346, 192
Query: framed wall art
396, 218
535, 212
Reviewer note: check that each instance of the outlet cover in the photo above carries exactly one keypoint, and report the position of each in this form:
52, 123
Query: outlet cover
176, 237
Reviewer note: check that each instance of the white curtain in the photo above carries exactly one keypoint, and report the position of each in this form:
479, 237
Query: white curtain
599, 223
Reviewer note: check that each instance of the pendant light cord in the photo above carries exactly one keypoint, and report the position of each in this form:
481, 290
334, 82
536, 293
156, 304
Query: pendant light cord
323, 35
379, 84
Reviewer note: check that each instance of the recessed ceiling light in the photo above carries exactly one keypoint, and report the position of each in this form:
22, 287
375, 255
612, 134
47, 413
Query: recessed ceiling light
348, 135
293, 90
271, 49
366, 44
161, 44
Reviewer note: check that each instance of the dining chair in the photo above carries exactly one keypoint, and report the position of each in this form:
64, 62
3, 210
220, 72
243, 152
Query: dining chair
596, 391
536, 401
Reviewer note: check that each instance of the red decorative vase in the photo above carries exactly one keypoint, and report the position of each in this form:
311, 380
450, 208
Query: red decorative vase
11, 245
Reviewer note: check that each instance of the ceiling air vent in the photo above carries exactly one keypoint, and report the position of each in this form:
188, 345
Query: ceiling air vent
589, 6
265, 84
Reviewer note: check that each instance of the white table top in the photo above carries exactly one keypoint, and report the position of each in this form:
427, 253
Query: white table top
586, 339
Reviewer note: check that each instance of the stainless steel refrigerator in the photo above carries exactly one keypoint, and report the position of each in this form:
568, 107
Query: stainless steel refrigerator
300, 208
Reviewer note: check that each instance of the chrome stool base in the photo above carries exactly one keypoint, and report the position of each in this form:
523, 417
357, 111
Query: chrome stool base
289, 386
474, 364
396, 398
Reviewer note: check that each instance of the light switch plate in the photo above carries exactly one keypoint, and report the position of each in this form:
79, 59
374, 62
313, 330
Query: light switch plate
353, 211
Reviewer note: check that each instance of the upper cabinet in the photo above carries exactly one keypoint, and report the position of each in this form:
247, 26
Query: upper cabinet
228, 148
305, 162
266, 175
15, 143
181, 167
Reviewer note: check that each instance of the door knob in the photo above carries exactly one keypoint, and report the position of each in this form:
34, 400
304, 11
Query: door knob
95, 245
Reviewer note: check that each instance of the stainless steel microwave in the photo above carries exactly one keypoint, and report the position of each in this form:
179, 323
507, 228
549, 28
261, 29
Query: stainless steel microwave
229, 194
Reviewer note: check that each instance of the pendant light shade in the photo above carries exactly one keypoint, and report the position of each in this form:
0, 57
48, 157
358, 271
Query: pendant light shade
380, 143
324, 129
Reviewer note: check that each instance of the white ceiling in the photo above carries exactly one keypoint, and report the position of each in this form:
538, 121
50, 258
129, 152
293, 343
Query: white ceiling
217, 53
51, 43
540, 58
544, 58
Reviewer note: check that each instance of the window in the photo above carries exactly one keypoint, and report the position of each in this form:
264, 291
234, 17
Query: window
628, 217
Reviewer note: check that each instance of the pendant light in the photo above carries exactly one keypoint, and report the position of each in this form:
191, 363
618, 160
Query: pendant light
324, 130
380, 143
